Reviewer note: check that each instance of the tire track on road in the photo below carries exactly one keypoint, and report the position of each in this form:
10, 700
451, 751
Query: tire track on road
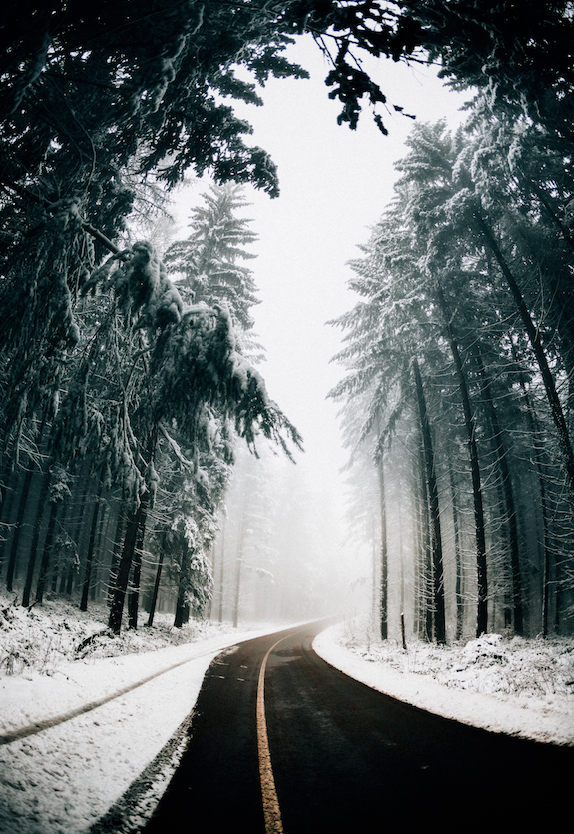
47, 724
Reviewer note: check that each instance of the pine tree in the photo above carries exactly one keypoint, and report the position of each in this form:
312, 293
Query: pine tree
209, 263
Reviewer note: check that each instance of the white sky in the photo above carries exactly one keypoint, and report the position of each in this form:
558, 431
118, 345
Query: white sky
335, 184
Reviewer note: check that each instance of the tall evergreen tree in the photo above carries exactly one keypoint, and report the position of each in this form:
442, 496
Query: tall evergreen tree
209, 263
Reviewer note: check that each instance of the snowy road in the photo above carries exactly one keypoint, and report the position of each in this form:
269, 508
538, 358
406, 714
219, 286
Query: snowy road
105, 770
343, 754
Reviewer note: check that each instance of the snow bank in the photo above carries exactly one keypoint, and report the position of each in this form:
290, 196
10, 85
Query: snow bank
63, 779
476, 684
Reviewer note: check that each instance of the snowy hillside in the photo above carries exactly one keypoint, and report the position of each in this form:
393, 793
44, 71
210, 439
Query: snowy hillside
71, 775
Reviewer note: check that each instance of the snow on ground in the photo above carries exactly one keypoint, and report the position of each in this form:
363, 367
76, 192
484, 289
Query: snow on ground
515, 686
65, 778
77, 774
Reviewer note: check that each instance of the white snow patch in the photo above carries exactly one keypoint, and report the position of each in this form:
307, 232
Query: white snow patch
63, 779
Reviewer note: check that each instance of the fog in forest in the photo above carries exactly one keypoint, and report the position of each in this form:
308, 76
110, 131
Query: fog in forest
404, 306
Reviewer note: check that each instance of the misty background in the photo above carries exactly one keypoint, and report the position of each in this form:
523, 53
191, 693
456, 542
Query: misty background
310, 554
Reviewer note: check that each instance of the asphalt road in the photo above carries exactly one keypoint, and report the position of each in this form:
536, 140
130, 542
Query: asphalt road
347, 758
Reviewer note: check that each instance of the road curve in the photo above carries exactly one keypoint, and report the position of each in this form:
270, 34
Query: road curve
342, 756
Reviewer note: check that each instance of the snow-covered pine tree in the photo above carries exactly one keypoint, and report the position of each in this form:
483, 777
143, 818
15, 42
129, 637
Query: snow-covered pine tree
185, 363
209, 263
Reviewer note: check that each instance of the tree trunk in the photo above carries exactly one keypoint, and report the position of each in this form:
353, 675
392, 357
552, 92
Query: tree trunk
239, 562
533, 334
42, 501
424, 559
501, 454
154, 598
60, 573
116, 552
91, 551
221, 572
182, 608
135, 534
134, 596
384, 586
430, 471
15, 543
8, 495
459, 589
47, 553
237, 594
136, 520
469, 423
538, 446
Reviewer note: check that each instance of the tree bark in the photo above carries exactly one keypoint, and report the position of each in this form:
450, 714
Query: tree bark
136, 519
157, 583
538, 446
502, 457
469, 423
384, 580
430, 471
135, 533
91, 551
459, 589
8, 495
533, 334
15, 543
182, 610
42, 500
424, 552
47, 552
134, 596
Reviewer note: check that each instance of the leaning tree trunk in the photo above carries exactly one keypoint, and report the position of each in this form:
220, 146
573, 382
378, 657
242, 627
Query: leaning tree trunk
430, 471
535, 340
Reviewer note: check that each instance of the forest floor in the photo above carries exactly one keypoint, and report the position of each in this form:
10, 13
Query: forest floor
67, 777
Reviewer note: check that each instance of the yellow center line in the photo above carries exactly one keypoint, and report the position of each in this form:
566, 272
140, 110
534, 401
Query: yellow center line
271, 811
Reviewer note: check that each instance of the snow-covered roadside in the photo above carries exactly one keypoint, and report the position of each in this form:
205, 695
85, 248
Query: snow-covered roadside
548, 718
63, 779
66, 778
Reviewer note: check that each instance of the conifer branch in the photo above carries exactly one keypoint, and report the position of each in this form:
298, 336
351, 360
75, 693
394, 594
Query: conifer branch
22, 191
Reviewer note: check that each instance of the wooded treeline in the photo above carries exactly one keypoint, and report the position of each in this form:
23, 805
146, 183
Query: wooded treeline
114, 490
122, 391
458, 390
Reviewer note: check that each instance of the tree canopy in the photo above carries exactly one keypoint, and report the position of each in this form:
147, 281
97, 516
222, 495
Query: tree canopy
102, 356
